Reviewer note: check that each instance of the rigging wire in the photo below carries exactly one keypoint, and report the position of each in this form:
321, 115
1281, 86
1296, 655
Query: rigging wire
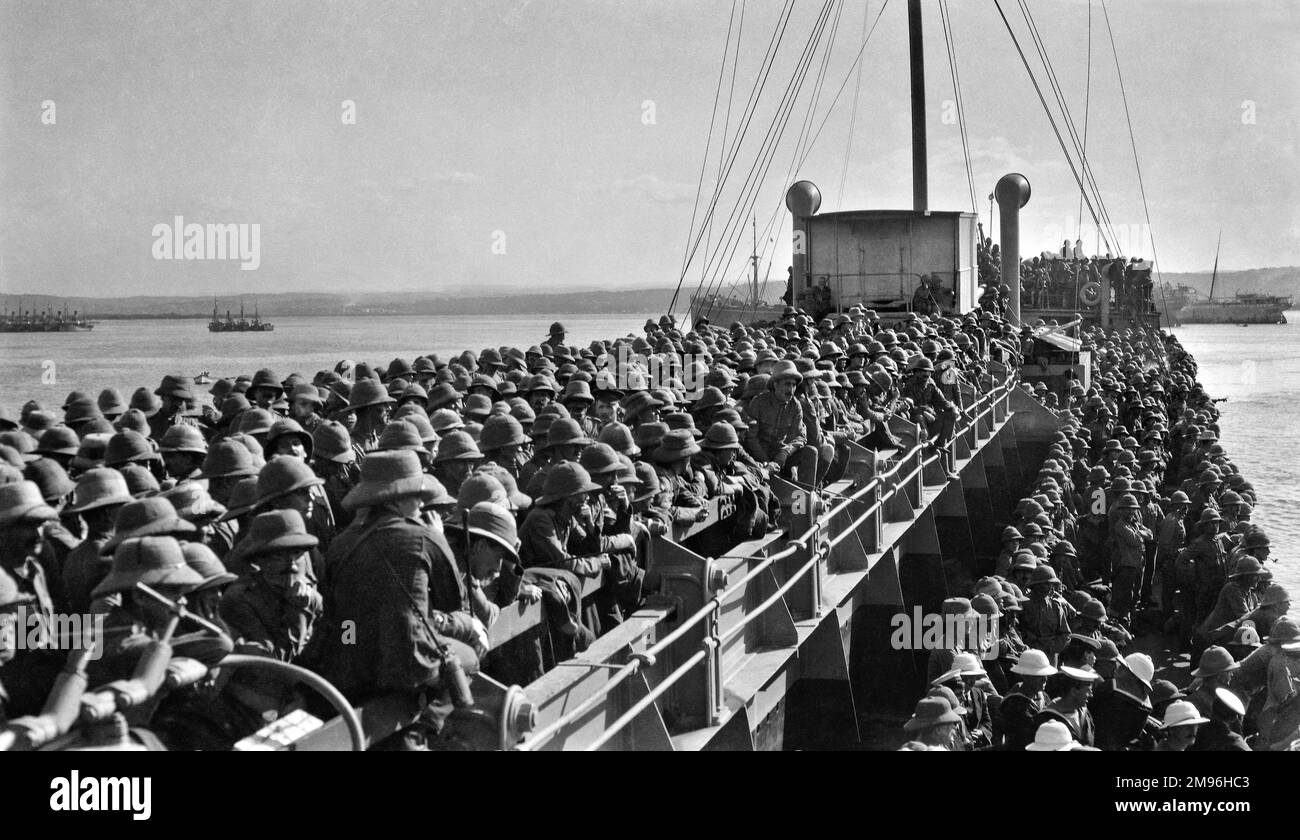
776, 129
1155, 261
1087, 102
1050, 117
721, 267
853, 114
713, 118
961, 111
1058, 92
756, 92
726, 125
781, 210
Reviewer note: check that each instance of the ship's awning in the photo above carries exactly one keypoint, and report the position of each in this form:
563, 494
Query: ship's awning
1059, 341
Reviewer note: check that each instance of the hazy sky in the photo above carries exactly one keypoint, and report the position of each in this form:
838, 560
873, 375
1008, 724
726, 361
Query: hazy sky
522, 127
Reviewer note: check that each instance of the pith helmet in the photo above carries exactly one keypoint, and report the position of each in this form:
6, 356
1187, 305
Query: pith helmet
1043, 574
151, 517
496, 523
367, 392
1215, 660
387, 476
721, 436
277, 530
22, 501
97, 488
183, 438
153, 561
565, 480
283, 475
332, 442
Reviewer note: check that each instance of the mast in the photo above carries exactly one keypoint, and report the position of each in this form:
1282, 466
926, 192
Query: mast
754, 297
916, 47
1214, 274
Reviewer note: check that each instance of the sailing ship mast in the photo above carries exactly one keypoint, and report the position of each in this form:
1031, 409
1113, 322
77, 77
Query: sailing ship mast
1214, 274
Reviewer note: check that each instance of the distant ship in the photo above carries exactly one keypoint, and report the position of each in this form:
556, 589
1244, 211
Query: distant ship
48, 321
230, 324
1184, 305
728, 309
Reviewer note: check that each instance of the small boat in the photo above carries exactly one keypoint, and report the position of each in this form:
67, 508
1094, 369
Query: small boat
204, 378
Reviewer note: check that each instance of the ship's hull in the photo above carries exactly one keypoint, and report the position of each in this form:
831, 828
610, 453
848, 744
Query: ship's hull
1232, 313
730, 314
45, 328
222, 328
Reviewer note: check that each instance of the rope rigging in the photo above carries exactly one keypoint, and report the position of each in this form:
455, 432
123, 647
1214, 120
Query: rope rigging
1051, 118
722, 266
1155, 261
699, 187
853, 114
758, 170
1058, 92
726, 127
756, 91
1087, 102
780, 209
958, 99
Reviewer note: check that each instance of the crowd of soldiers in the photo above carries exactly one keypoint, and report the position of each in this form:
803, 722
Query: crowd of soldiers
373, 522
1068, 281
1139, 523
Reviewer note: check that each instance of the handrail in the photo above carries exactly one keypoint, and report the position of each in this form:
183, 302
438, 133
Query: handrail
644, 703
987, 401
776, 596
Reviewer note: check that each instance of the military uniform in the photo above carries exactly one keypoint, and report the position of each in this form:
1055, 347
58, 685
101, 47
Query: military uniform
777, 432
385, 576
28, 673
1045, 624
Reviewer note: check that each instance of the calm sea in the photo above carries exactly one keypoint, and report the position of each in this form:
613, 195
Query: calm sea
1256, 368
128, 354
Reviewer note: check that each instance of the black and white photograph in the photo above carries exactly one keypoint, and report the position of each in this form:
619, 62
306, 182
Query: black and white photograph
662, 376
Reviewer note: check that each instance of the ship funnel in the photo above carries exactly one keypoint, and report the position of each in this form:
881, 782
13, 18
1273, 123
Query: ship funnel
803, 200
1012, 193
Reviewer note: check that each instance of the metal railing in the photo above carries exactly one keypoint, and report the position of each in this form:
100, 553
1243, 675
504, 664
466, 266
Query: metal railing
881, 489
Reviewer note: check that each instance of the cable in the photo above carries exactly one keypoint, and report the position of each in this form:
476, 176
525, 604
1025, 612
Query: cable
771, 139
1136, 164
720, 267
726, 126
1058, 91
830, 108
704, 162
1042, 99
756, 91
853, 114
1087, 101
961, 111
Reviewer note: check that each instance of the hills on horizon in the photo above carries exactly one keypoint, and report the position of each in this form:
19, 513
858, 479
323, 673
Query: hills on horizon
1283, 280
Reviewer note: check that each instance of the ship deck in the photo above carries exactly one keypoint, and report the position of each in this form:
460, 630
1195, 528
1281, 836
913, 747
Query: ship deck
784, 641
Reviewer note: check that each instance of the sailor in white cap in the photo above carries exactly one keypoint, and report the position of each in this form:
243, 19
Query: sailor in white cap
1223, 732
1071, 707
